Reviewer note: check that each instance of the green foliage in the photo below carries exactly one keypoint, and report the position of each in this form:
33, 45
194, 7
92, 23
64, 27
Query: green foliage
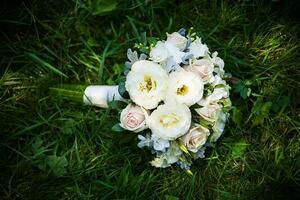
243, 88
260, 111
53, 148
237, 117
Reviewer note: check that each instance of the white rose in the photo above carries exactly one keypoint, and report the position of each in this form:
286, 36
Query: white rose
147, 83
159, 53
178, 40
204, 68
195, 138
219, 126
170, 121
133, 118
198, 49
209, 112
184, 87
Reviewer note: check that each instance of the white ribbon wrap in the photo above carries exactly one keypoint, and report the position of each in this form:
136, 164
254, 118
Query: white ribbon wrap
101, 95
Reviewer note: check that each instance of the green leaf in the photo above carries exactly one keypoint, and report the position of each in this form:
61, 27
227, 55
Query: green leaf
117, 128
121, 88
118, 105
260, 111
37, 147
102, 183
241, 87
57, 164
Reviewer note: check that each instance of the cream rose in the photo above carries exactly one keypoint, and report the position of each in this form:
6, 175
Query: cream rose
195, 138
178, 40
147, 83
133, 118
184, 87
209, 112
204, 68
170, 121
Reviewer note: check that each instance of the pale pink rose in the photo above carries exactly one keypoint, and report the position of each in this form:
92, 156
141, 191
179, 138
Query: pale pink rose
209, 112
133, 118
204, 68
195, 138
177, 40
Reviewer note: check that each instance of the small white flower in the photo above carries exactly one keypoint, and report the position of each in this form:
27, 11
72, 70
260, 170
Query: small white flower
184, 87
133, 118
174, 52
203, 67
160, 162
170, 65
198, 49
159, 53
218, 81
170, 121
178, 40
195, 138
154, 142
144, 141
166, 159
219, 126
218, 94
159, 144
219, 63
146, 83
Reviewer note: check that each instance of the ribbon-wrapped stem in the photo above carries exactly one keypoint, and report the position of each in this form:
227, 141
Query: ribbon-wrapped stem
96, 95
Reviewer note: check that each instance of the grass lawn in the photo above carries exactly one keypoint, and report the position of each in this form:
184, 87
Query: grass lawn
54, 148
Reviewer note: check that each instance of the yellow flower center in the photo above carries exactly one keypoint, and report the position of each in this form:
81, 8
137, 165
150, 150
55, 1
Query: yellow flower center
169, 120
148, 84
183, 90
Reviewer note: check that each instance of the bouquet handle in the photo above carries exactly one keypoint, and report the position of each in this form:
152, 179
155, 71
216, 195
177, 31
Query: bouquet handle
101, 95
95, 95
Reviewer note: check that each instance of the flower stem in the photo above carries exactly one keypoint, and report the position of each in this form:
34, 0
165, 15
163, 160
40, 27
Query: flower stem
68, 91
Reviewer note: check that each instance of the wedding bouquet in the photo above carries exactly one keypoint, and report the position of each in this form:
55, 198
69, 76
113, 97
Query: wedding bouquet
178, 100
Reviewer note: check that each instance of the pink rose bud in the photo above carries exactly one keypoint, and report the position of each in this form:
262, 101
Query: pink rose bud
133, 118
177, 40
204, 68
195, 138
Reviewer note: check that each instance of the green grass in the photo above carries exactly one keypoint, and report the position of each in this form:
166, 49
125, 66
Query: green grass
52, 148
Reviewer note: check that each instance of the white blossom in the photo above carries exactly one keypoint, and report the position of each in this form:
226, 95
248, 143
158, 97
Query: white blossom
147, 83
